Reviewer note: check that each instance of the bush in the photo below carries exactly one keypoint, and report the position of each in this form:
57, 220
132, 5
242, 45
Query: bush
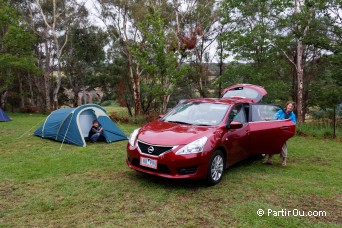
106, 103
328, 135
30, 109
117, 118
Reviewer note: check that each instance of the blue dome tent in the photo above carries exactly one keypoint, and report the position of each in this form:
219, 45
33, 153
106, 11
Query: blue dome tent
3, 116
72, 125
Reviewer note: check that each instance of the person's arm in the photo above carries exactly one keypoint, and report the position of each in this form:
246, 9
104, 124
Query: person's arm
276, 115
94, 129
293, 118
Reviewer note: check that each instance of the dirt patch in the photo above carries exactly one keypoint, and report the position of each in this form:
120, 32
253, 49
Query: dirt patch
6, 190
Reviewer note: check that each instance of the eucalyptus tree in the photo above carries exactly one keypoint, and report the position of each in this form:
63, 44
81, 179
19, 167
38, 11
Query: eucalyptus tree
83, 59
264, 33
121, 19
249, 36
158, 60
16, 56
197, 27
51, 21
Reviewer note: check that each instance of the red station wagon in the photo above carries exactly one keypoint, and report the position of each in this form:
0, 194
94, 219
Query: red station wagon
199, 138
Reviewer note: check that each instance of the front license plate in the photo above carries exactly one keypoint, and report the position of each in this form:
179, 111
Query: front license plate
148, 162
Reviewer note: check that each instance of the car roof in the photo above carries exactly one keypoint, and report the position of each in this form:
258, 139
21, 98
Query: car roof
233, 100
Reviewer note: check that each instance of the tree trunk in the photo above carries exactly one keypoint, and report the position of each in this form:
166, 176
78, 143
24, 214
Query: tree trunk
135, 84
137, 94
84, 95
75, 101
32, 102
21, 94
46, 78
56, 90
299, 69
300, 81
334, 122
166, 99
221, 69
3, 100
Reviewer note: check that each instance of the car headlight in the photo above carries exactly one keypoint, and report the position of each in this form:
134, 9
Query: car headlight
193, 147
133, 136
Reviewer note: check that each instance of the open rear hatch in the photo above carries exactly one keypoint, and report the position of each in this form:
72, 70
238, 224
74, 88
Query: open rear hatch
253, 92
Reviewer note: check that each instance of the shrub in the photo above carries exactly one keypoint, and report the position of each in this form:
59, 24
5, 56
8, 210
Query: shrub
328, 135
117, 118
30, 109
106, 103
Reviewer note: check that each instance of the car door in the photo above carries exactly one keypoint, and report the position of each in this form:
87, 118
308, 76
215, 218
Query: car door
235, 140
266, 134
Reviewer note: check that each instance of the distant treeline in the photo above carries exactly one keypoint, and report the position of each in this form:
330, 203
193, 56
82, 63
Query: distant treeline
146, 55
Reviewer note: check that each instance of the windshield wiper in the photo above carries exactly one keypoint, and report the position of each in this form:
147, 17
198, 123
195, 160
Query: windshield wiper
179, 122
203, 125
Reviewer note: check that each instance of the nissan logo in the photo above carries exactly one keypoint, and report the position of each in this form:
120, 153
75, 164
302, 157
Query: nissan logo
150, 149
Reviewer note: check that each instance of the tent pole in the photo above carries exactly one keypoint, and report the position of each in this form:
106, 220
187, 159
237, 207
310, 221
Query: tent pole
66, 131
31, 128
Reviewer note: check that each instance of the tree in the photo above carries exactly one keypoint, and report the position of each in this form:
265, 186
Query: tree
16, 56
259, 32
249, 36
159, 62
196, 28
121, 19
52, 21
83, 58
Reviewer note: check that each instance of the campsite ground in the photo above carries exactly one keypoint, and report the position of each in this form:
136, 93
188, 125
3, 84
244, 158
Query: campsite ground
41, 185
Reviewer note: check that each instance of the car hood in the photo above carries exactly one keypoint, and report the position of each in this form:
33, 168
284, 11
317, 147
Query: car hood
171, 134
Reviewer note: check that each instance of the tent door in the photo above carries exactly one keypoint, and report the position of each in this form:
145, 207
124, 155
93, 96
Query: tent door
86, 121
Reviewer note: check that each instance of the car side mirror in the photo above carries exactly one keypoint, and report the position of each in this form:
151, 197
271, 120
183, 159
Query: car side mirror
235, 125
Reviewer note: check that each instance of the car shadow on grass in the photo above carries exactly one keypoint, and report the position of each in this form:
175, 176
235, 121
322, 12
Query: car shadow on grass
243, 166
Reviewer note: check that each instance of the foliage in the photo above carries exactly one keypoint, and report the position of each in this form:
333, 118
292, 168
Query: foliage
84, 58
41, 185
263, 37
150, 54
159, 65
16, 43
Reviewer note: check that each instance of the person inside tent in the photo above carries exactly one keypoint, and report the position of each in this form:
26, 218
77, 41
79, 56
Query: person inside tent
96, 132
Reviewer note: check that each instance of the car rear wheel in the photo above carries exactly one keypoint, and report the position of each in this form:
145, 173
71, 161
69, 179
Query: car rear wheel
215, 168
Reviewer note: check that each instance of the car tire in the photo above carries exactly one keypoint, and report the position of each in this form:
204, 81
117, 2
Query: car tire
216, 168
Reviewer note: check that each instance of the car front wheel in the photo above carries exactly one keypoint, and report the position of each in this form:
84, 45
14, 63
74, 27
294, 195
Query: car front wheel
215, 168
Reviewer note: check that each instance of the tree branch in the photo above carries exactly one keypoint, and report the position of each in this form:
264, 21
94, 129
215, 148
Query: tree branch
42, 14
290, 60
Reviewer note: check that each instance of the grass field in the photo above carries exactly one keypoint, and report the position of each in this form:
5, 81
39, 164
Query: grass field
42, 186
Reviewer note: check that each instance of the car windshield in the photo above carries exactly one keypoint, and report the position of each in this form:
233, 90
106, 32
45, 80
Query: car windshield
243, 92
197, 113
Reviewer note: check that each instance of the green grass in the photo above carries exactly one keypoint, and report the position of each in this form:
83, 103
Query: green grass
41, 186
119, 110
320, 129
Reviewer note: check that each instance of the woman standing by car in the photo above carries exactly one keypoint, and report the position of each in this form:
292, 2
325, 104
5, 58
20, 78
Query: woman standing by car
283, 114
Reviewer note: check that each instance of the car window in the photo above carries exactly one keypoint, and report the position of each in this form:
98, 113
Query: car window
238, 114
263, 112
198, 113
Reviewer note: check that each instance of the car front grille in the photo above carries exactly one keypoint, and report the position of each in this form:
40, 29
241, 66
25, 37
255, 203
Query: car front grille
153, 149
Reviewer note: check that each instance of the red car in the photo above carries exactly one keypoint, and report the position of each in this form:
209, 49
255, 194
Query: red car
199, 138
